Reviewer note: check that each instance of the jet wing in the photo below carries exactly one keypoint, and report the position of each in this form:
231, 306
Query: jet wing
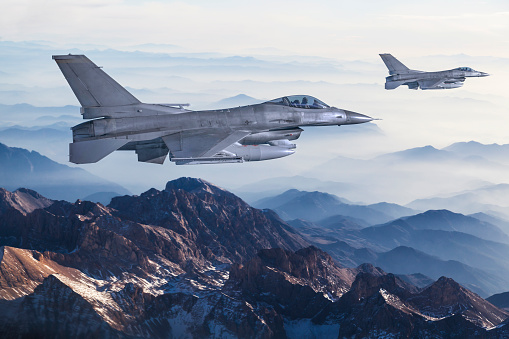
431, 83
202, 143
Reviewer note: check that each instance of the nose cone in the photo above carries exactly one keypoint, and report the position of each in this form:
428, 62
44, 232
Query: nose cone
356, 118
483, 74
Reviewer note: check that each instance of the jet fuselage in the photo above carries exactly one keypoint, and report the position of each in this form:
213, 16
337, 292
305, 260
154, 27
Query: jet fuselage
402, 75
254, 118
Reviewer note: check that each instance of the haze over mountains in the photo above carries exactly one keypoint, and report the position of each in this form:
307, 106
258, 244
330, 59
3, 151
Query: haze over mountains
465, 191
205, 79
22, 168
435, 243
348, 161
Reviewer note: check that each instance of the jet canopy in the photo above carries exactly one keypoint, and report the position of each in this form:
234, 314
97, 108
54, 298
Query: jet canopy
300, 101
465, 69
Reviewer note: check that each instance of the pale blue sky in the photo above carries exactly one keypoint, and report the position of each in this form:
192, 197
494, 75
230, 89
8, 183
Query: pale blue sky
345, 29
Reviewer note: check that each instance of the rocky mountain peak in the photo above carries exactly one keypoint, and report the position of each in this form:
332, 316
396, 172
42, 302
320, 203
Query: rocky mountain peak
223, 226
194, 185
369, 268
22, 200
446, 297
367, 284
447, 291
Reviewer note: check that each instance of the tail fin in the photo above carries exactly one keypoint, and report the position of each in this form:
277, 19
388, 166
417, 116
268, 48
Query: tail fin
394, 65
91, 85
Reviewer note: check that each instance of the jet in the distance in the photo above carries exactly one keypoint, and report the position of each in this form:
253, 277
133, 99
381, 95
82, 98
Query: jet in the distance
119, 121
402, 75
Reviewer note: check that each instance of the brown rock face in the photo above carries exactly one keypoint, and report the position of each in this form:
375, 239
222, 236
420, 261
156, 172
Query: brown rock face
22, 270
308, 266
53, 310
296, 284
224, 227
446, 297
195, 261
22, 200
118, 267
383, 305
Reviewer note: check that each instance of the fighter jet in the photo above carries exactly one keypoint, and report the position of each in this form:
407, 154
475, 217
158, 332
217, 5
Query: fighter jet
402, 75
119, 121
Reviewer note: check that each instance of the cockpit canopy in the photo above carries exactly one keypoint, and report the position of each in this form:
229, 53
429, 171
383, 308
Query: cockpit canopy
300, 101
465, 69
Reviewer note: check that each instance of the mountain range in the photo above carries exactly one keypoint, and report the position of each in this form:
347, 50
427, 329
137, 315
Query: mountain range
491, 199
22, 168
313, 206
434, 243
195, 260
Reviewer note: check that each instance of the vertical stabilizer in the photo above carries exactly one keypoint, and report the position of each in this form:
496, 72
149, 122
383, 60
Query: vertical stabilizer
91, 85
394, 65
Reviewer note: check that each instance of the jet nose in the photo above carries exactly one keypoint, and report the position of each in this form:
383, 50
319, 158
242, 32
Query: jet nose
356, 118
484, 74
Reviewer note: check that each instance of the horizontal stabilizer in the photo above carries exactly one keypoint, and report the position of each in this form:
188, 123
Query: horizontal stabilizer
393, 84
90, 151
91, 85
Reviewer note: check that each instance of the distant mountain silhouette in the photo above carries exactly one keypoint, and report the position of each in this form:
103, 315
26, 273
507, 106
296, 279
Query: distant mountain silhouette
484, 199
20, 112
403, 174
406, 260
341, 222
433, 238
492, 219
493, 152
22, 168
500, 300
449, 221
420, 154
271, 187
394, 210
313, 206
238, 100
433, 243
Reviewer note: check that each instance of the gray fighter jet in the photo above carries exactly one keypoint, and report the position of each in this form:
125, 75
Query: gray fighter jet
119, 121
401, 75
